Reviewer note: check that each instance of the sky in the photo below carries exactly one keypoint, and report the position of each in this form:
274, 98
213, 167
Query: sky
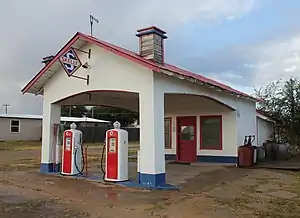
243, 43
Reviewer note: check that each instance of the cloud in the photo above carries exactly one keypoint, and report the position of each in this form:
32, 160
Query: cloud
33, 29
249, 65
290, 69
170, 15
255, 65
273, 60
278, 59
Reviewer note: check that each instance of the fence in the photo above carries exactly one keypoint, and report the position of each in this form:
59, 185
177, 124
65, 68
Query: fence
97, 134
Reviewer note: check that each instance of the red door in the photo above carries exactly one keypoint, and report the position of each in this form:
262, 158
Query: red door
186, 139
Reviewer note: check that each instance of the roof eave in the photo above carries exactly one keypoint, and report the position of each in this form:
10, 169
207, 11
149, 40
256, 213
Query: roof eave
78, 35
46, 67
146, 63
216, 88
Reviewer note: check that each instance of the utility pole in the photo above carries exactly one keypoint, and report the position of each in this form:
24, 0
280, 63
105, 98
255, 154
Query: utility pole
92, 112
6, 107
70, 111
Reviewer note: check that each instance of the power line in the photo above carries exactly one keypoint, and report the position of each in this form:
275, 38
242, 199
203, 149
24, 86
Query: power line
70, 111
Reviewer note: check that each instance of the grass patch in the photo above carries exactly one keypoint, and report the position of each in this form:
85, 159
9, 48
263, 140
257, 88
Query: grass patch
281, 208
37, 208
26, 163
243, 202
93, 158
99, 145
36, 145
21, 164
273, 207
20, 145
285, 208
288, 208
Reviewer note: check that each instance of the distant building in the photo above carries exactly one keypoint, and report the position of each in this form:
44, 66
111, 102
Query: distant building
24, 127
265, 128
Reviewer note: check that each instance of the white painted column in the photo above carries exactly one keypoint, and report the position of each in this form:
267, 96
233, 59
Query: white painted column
51, 115
152, 150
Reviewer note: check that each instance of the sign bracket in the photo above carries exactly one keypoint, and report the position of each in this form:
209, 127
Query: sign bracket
86, 52
83, 78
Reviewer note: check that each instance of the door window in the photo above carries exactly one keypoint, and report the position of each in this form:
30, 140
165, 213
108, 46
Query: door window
168, 133
187, 133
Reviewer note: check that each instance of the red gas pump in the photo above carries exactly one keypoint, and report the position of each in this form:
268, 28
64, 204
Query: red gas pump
72, 155
116, 153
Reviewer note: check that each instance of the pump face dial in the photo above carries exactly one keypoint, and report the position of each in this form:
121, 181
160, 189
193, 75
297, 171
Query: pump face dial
112, 145
68, 144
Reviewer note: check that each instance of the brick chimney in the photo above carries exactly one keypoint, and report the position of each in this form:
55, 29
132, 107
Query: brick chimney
151, 43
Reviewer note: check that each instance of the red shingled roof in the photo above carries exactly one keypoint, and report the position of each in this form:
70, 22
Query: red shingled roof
136, 58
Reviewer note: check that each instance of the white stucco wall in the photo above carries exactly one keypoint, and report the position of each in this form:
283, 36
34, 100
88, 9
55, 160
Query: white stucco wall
245, 113
265, 129
111, 72
199, 106
246, 120
108, 72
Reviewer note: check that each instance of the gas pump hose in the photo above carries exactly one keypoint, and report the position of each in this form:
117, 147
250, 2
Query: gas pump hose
83, 163
102, 167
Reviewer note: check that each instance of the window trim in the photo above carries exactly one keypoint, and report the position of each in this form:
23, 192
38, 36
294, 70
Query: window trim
10, 121
170, 135
220, 146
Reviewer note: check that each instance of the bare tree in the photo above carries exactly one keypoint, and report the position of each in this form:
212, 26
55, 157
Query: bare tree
281, 102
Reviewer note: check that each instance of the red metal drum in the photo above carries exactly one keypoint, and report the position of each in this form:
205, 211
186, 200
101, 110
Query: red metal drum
245, 156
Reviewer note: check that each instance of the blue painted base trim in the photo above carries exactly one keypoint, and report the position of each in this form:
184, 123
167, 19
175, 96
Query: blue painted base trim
50, 168
208, 159
170, 156
130, 183
217, 159
152, 180
138, 177
134, 184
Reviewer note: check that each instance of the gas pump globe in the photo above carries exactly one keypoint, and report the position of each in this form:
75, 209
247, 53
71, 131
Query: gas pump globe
117, 125
116, 166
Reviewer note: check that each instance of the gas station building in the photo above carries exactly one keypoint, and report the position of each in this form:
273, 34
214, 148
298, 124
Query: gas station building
204, 119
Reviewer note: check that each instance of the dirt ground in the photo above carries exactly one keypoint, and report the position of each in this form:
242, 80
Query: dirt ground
221, 191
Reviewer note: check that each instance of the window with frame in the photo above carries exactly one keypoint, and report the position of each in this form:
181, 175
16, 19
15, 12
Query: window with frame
168, 133
15, 126
211, 132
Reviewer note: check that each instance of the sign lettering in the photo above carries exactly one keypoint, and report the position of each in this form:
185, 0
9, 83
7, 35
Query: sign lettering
70, 61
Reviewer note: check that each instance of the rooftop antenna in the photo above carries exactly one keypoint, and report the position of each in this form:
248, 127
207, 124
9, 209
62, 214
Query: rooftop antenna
6, 107
92, 19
